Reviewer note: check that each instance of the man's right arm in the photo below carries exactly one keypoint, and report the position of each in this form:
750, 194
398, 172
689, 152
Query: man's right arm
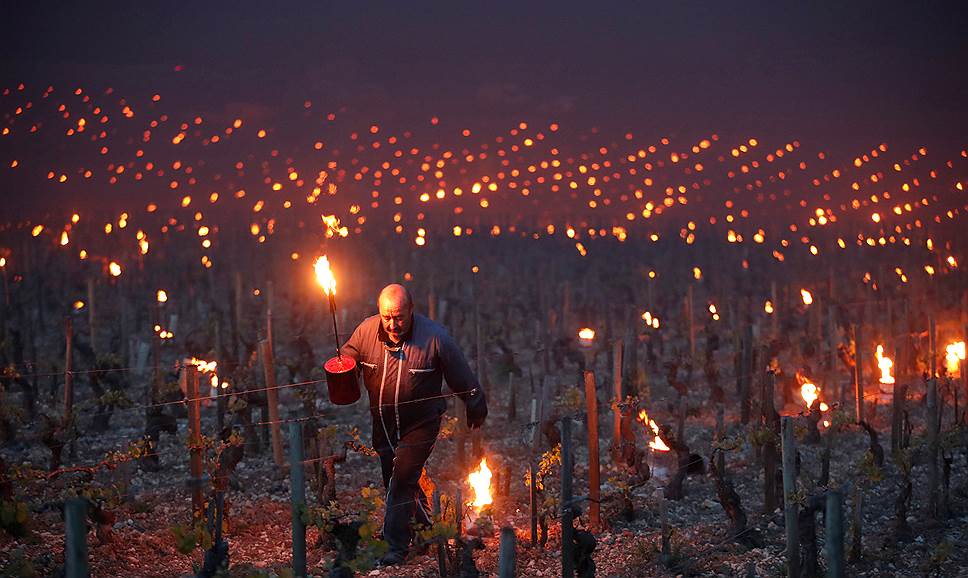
354, 345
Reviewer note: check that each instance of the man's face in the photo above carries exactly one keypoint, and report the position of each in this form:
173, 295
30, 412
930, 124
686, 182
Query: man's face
396, 317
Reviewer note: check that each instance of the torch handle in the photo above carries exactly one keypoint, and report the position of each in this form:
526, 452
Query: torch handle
332, 310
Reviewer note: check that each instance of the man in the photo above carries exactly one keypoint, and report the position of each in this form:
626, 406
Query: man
403, 358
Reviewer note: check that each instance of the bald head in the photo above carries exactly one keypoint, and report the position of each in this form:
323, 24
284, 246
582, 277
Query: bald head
396, 311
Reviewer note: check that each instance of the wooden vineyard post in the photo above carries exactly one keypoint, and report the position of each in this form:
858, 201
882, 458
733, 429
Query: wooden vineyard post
768, 420
857, 525
933, 504
90, 314
898, 401
617, 440
665, 549
594, 467
272, 397
746, 377
567, 524
477, 449
789, 505
532, 471
189, 377
237, 318
834, 535
75, 538
68, 372
298, 499
690, 322
858, 375
441, 546
507, 555
461, 436
512, 399
459, 513
775, 317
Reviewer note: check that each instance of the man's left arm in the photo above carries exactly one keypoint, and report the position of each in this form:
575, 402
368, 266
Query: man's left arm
460, 379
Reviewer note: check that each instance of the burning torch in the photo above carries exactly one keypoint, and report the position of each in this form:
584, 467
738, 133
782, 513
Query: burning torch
324, 276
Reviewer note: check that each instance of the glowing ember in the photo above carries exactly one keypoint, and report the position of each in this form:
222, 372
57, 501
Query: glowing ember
480, 482
650, 320
333, 227
657, 444
809, 392
884, 364
324, 275
954, 353
806, 296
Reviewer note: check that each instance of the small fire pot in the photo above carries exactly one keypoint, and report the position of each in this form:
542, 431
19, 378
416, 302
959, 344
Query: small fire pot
341, 380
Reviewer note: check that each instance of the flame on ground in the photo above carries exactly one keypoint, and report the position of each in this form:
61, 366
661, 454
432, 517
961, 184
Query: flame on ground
954, 354
324, 275
657, 444
884, 364
809, 392
480, 482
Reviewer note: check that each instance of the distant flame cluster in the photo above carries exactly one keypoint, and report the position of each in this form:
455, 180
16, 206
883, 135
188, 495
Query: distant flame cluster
208, 367
163, 334
650, 320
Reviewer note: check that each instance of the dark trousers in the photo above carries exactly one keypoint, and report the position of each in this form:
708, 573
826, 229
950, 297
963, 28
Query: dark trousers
402, 462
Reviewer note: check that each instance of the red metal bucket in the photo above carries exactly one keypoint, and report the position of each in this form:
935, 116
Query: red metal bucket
341, 380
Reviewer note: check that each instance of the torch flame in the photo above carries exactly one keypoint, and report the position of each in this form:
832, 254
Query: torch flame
807, 297
480, 482
809, 392
657, 444
324, 275
586, 333
115, 269
954, 353
884, 364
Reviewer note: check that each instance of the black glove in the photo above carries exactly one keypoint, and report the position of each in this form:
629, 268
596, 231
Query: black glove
476, 409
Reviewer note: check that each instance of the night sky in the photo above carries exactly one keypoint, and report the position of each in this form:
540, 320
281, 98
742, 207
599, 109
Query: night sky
841, 80
846, 73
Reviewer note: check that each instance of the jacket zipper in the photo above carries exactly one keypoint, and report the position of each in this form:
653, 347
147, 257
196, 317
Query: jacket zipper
382, 383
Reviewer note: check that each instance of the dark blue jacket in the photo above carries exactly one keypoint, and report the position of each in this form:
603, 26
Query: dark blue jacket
404, 381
